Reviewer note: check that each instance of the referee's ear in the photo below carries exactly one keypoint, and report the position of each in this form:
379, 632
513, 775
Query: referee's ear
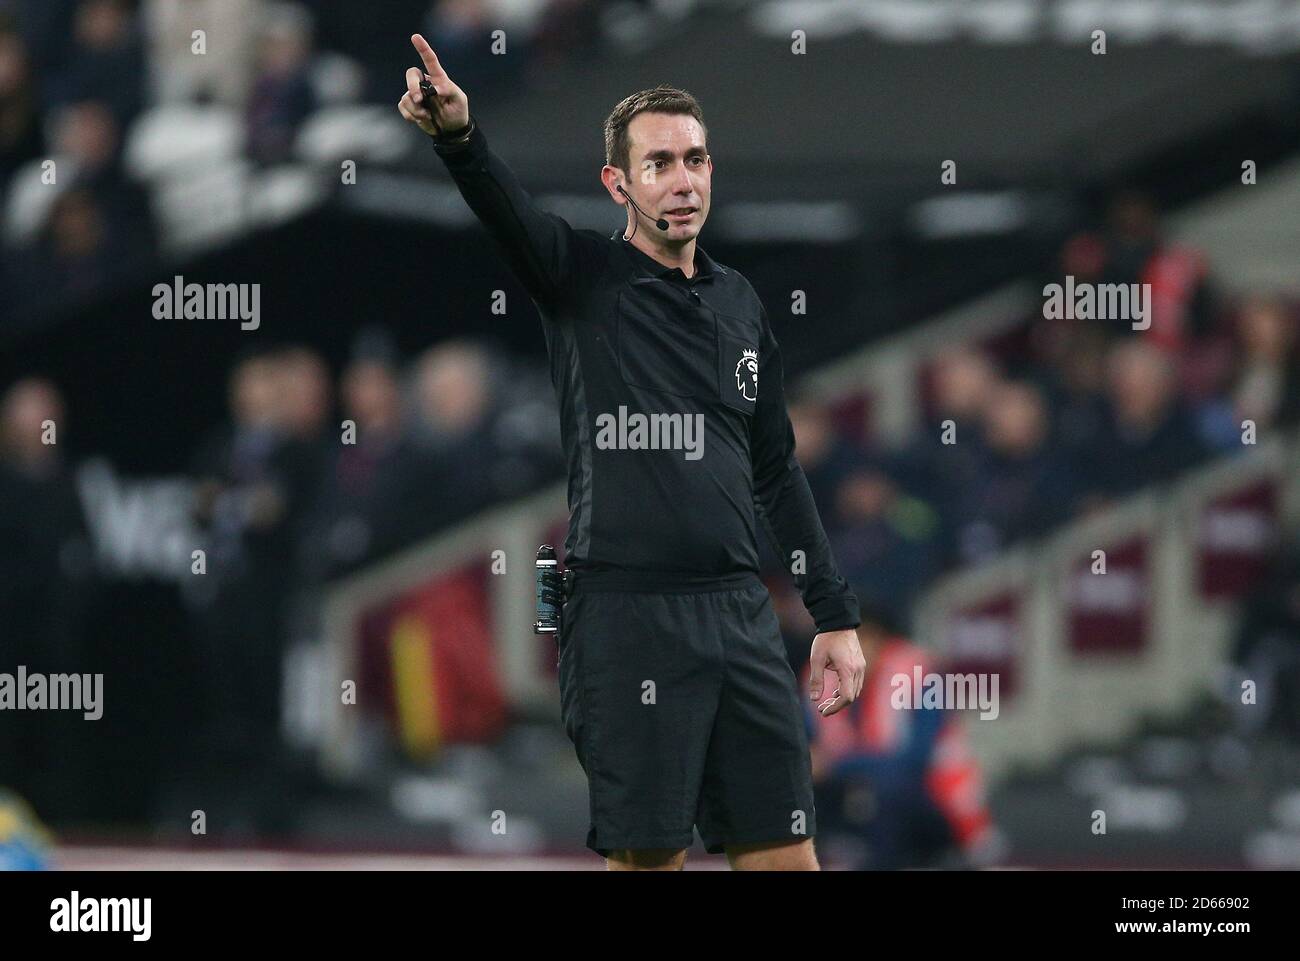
613, 178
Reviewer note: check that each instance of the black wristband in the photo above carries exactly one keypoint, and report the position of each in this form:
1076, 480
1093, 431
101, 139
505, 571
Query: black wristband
450, 137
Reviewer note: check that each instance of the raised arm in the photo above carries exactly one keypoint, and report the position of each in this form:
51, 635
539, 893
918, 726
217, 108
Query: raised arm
547, 255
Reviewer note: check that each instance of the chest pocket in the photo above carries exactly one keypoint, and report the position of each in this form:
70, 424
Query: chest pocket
737, 365
665, 345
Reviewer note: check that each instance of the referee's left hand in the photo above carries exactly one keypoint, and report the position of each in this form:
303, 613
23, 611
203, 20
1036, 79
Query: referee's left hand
840, 653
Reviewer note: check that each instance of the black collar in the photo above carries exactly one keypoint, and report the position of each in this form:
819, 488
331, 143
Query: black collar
705, 266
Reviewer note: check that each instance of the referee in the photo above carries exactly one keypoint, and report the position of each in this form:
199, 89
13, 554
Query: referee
674, 683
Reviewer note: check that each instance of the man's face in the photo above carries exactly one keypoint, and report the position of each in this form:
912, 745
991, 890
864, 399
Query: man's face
671, 170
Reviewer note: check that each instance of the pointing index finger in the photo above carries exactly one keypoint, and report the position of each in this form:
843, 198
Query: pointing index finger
431, 64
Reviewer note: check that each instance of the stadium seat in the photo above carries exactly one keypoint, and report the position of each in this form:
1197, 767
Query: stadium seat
30, 199
166, 138
353, 132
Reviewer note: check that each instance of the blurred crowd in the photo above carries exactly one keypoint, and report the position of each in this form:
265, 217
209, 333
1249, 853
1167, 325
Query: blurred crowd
310, 477
413, 447
1032, 430
1020, 436
79, 79
291, 493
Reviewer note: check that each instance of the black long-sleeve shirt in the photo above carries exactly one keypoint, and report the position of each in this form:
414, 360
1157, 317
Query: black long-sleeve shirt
631, 341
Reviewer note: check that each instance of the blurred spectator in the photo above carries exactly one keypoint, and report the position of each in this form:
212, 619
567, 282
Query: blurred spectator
899, 784
945, 458
824, 455
104, 62
74, 253
308, 444
1023, 486
1121, 251
239, 492
40, 506
282, 95
1131, 250
88, 140
342, 525
88, 226
20, 127
1267, 650
963, 379
223, 73
1265, 385
243, 505
453, 393
445, 472
85, 144
307, 390
886, 542
1073, 358
46, 589
1148, 436
26, 408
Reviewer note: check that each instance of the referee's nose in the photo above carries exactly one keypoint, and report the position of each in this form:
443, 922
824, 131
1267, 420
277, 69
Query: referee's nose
687, 190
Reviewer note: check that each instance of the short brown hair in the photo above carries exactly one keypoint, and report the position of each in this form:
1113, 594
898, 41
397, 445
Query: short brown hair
661, 99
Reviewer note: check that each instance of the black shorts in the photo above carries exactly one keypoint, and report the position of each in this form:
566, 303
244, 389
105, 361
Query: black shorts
684, 713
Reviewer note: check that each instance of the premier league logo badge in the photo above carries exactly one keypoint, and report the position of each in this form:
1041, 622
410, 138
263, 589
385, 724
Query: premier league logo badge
747, 374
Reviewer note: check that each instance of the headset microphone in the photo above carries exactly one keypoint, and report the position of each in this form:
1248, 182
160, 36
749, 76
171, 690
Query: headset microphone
661, 223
